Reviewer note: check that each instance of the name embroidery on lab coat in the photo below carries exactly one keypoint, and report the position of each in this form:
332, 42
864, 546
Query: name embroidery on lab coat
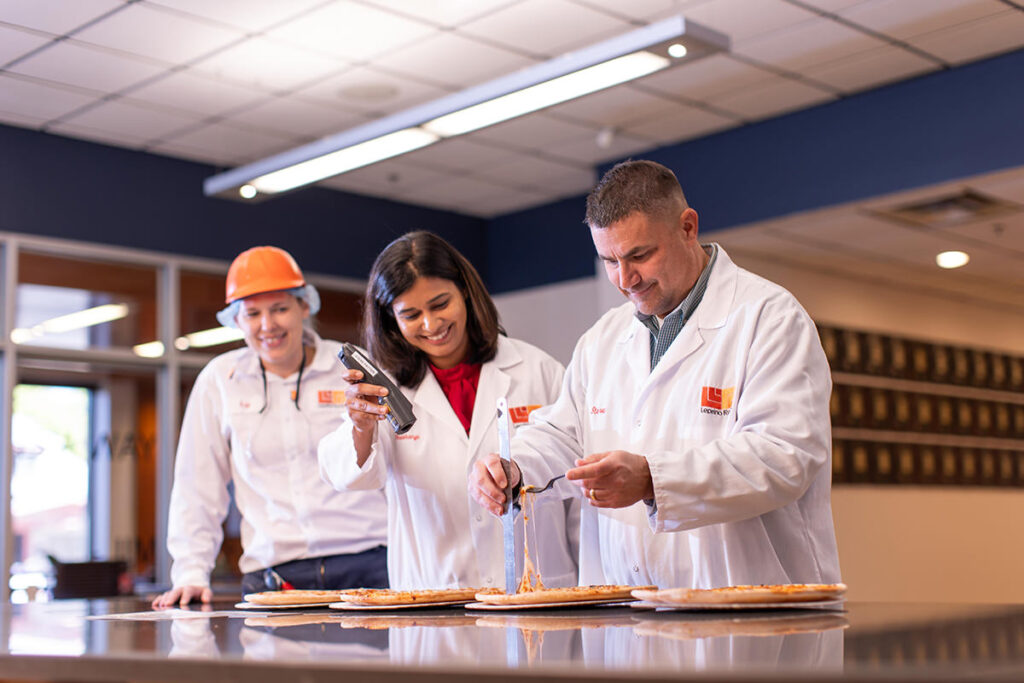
716, 401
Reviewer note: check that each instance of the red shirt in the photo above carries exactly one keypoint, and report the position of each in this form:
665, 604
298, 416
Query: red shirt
459, 385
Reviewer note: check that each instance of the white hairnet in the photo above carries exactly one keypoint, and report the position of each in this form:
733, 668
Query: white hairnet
226, 316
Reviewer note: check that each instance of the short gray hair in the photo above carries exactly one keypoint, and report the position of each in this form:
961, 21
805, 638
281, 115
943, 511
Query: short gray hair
634, 186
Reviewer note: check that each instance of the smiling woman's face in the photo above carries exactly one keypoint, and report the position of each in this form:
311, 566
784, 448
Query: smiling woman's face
431, 316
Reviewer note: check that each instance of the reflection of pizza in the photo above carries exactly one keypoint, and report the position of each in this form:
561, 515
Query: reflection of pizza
561, 595
385, 596
774, 625
292, 597
763, 594
403, 621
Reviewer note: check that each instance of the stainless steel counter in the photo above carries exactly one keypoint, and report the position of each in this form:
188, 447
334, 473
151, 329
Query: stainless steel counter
66, 641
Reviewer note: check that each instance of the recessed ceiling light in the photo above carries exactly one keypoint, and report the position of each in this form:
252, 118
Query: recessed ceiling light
677, 50
247, 191
952, 259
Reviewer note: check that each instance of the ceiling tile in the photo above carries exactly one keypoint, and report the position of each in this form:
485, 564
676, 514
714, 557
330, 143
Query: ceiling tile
870, 69
10, 118
445, 13
26, 99
133, 120
565, 26
250, 15
16, 42
618, 106
299, 118
706, 78
456, 154
645, 10
832, 5
506, 201
807, 44
230, 142
388, 178
454, 189
772, 97
102, 135
741, 19
536, 130
55, 16
587, 150
902, 19
190, 90
158, 33
452, 61
534, 173
679, 124
269, 65
197, 153
351, 31
78, 65
975, 39
371, 91
1008, 184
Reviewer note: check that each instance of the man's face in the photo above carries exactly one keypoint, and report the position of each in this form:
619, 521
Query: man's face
654, 261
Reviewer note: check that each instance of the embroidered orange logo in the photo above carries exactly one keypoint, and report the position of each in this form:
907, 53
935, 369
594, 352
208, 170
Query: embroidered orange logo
330, 397
521, 414
716, 399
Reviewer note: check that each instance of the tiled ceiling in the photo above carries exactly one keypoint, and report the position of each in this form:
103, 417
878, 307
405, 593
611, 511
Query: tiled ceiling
231, 81
854, 243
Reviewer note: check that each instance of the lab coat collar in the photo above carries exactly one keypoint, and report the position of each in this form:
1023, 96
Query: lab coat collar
494, 382
248, 364
714, 307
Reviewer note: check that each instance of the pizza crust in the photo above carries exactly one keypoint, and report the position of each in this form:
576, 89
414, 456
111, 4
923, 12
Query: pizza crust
385, 596
291, 597
561, 595
755, 595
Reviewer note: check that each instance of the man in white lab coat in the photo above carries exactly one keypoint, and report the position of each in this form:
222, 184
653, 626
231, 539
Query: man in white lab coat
694, 418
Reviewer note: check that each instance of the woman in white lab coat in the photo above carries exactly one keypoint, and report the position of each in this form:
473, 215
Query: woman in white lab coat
430, 324
253, 420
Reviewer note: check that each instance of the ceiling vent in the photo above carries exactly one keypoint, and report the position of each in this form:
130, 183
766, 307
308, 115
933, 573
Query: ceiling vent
962, 207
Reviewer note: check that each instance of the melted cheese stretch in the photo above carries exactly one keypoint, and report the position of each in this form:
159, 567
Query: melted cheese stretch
531, 580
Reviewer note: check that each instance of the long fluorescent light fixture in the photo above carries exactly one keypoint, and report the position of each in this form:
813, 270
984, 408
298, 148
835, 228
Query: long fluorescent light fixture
632, 55
72, 321
193, 340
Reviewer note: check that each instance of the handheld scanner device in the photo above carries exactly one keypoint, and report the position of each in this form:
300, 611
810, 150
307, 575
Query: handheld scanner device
399, 409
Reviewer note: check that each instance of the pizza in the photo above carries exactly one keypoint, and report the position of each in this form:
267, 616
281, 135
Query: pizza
386, 596
292, 597
570, 594
744, 594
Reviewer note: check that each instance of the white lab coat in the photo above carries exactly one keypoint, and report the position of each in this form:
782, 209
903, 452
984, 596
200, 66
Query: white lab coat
742, 494
437, 536
288, 511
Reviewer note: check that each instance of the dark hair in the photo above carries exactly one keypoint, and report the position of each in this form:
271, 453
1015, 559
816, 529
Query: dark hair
396, 269
635, 186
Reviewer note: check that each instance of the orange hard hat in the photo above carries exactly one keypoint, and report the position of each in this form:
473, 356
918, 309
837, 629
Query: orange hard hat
259, 270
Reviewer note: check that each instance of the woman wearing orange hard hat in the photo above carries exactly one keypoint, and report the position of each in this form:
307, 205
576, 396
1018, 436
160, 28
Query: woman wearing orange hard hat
253, 419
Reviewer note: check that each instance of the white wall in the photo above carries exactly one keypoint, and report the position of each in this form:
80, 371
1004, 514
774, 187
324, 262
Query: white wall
554, 317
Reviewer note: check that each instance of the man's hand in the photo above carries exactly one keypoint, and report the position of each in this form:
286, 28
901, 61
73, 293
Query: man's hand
615, 479
487, 482
183, 595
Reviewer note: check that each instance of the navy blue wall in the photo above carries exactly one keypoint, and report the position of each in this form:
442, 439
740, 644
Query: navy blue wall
61, 187
942, 126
